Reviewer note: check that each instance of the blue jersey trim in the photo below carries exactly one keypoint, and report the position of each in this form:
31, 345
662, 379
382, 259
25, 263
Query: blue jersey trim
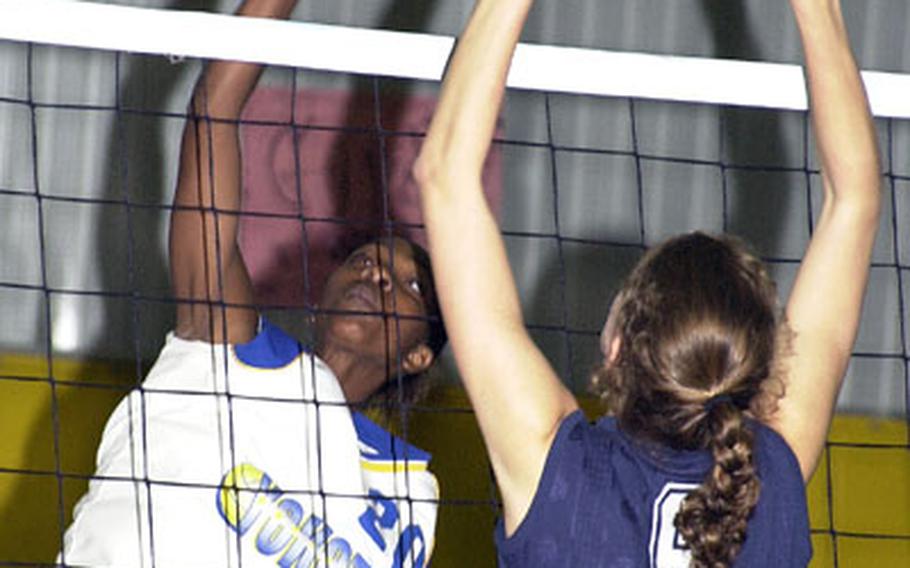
272, 348
383, 446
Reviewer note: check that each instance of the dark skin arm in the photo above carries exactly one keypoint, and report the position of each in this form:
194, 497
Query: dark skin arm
208, 274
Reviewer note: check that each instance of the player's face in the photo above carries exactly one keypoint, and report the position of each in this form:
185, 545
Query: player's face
374, 302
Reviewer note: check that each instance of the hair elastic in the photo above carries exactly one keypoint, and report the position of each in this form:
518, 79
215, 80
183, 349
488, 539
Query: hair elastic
717, 400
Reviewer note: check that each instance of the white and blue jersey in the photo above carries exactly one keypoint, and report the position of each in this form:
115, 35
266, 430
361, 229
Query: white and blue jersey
605, 500
248, 456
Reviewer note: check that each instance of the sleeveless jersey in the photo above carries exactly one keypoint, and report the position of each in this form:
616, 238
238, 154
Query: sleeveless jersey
605, 500
248, 456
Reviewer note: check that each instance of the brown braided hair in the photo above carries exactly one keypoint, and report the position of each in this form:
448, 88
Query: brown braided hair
698, 329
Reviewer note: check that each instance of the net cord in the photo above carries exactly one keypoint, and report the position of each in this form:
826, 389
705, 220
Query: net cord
408, 55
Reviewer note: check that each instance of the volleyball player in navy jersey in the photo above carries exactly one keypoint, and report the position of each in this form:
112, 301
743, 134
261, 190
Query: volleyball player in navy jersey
718, 404
222, 457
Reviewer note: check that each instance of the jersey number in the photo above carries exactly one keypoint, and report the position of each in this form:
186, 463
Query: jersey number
667, 548
383, 515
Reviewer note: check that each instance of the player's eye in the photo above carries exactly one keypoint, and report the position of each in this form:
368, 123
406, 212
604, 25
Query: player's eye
414, 285
362, 260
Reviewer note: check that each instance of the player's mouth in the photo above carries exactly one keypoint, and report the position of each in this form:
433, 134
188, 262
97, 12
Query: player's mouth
362, 297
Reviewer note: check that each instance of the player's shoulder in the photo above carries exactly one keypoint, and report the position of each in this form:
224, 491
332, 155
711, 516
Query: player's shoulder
772, 452
583, 450
380, 447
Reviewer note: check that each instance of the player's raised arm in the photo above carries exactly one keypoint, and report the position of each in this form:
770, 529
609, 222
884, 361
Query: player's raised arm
518, 399
824, 308
208, 275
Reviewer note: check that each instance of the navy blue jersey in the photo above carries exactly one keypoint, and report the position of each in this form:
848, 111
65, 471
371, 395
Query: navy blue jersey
605, 500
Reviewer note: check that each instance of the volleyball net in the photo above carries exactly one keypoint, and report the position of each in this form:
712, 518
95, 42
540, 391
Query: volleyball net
598, 155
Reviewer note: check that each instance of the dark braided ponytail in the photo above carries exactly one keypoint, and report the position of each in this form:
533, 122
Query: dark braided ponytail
714, 516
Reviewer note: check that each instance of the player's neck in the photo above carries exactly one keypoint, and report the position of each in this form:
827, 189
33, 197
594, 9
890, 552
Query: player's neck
359, 375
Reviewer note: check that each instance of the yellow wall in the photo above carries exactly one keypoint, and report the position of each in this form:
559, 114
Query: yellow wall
870, 486
30, 501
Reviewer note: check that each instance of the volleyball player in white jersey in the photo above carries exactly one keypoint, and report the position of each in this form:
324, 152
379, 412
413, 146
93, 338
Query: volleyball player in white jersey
239, 448
703, 460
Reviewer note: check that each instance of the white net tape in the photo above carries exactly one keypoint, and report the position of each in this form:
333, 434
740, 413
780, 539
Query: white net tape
422, 56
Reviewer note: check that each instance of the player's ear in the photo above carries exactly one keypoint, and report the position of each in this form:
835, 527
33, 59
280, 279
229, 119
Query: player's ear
615, 346
418, 359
